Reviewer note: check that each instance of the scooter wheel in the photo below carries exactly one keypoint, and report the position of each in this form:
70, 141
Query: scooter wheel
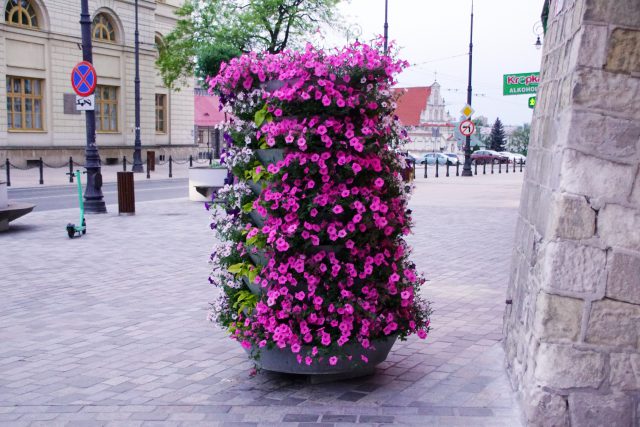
84, 223
71, 230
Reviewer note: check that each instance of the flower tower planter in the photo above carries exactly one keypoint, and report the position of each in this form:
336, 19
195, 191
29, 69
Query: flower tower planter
312, 267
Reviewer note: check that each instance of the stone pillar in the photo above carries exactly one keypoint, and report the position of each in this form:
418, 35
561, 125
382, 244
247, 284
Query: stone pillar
572, 329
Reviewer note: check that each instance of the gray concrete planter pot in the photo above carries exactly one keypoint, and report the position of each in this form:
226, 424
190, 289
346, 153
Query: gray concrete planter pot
204, 181
270, 155
284, 361
256, 187
258, 256
255, 288
257, 219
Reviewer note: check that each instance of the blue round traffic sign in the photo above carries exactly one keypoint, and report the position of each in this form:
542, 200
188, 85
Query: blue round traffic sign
84, 78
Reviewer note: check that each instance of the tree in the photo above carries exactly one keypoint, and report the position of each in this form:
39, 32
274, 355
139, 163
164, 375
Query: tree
209, 32
497, 138
520, 139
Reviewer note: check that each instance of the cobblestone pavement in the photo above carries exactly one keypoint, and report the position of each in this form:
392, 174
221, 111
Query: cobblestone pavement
110, 329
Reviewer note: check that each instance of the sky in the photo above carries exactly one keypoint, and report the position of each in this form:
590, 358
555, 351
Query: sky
434, 36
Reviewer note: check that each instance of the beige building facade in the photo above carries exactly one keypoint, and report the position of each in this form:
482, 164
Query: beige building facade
40, 43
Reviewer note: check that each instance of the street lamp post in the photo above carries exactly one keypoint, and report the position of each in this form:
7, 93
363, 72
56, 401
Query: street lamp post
466, 170
137, 157
386, 27
93, 198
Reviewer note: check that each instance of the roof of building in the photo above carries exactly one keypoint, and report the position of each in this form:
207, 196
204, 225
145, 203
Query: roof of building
206, 111
411, 103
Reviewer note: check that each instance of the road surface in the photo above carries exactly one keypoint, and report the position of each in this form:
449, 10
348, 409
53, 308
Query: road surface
54, 198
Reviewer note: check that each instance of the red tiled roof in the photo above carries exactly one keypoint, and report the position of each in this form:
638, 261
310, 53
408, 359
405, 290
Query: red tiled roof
411, 103
206, 110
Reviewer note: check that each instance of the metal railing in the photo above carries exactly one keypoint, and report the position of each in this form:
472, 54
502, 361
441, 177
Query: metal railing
487, 167
509, 166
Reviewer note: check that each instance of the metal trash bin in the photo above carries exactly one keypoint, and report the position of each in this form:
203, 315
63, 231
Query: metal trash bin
126, 194
151, 160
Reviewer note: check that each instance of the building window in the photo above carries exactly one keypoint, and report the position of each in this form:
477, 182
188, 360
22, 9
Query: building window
158, 42
21, 13
161, 113
24, 103
102, 29
106, 109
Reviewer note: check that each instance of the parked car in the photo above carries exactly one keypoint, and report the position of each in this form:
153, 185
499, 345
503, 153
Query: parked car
511, 156
431, 158
453, 158
411, 157
488, 156
520, 157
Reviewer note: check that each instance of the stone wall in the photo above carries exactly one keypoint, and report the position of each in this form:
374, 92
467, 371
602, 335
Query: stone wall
572, 322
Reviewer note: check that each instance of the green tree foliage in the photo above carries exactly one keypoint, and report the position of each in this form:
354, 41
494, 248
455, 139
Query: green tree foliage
520, 139
497, 138
209, 32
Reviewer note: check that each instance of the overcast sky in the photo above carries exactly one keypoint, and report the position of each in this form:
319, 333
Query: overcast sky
430, 32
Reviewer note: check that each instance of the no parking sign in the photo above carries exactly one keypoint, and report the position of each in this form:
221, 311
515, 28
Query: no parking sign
84, 78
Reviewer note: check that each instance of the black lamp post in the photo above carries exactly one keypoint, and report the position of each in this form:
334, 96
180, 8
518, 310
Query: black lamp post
137, 157
466, 170
386, 27
93, 198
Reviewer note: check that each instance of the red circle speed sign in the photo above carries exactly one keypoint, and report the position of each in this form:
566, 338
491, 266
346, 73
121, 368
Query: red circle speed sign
84, 78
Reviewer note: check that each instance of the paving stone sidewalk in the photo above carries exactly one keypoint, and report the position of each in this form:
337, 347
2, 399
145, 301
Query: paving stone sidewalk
110, 329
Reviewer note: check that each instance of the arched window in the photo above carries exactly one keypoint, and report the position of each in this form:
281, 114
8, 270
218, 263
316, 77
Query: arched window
158, 41
21, 13
102, 28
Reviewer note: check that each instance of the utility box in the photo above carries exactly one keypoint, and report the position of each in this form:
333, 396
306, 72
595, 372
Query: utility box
151, 160
126, 194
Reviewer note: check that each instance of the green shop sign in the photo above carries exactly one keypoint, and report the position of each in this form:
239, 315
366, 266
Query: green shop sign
521, 84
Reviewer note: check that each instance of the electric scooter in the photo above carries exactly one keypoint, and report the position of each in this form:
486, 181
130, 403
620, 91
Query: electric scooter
73, 229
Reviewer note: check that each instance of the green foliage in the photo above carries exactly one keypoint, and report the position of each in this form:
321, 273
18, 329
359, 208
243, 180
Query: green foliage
244, 269
262, 115
210, 57
520, 139
245, 300
209, 32
497, 138
259, 241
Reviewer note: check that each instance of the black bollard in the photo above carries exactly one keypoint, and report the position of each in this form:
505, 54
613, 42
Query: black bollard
41, 171
507, 168
514, 165
475, 167
148, 175
190, 161
124, 163
492, 163
437, 165
484, 167
170, 169
210, 159
71, 170
499, 166
458, 168
425, 170
521, 165
7, 164
447, 168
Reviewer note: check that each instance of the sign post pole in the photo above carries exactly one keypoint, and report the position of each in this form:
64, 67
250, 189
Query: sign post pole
93, 197
466, 170
137, 156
